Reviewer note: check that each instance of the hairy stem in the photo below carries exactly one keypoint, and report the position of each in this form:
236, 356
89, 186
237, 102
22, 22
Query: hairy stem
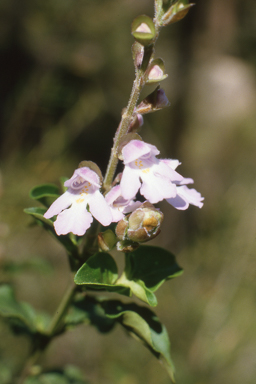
128, 114
122, 130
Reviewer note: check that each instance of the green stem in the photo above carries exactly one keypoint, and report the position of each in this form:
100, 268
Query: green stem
42, 343
61, 310
122, 130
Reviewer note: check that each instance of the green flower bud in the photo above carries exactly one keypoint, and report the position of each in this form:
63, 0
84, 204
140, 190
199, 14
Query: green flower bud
143, 30
155, 72
176, 12
141, 225
106, 240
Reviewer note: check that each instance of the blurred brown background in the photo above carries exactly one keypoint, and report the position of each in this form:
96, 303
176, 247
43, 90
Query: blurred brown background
66, 73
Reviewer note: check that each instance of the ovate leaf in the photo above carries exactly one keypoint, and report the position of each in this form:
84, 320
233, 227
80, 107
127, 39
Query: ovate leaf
99, 270
144, 326
45, 193
145, 271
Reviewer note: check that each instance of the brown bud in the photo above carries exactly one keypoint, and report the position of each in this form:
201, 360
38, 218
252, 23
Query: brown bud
154, 102
141, 225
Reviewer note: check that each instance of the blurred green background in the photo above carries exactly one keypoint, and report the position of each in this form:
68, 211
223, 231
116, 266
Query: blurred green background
66, 73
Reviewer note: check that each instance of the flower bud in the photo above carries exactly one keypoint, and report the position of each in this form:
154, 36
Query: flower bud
154, 102
107, 240
143, 29
136, 123
141, 225
155, 71
137, 54
176, 12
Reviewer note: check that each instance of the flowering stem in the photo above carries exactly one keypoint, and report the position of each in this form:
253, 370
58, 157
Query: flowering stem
127, 116
122, 129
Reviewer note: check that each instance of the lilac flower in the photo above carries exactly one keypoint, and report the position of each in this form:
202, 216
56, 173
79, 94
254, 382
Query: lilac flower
185, 195
118, 205
156, 179
143, 171
83, 191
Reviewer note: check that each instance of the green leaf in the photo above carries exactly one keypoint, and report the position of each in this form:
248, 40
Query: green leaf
68, 375
146, 269
47, 378
68, 241
144, 325
88, 310
99, 270
153, 265
21, 315
45, 193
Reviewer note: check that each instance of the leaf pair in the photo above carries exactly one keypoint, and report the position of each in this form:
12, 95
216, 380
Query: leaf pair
145, 271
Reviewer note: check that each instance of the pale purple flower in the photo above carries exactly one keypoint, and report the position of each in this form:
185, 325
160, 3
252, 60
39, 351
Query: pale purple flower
79, 203
155, 179
118, 205
185, 195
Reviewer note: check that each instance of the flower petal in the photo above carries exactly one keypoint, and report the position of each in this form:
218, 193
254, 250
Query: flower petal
99, 208
186, 196
59, 204
137, 148
130, 183
113, 194
75, 219
155, 189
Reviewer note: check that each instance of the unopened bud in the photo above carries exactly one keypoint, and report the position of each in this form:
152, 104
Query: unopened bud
176, 12
143, 30
136, 123
141, 225
156, 71
155, 101
137, 54
107, 240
